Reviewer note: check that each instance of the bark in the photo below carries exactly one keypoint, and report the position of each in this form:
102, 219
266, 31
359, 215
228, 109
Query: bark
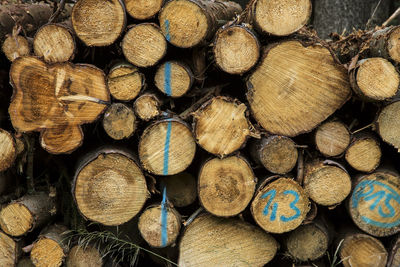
181, 188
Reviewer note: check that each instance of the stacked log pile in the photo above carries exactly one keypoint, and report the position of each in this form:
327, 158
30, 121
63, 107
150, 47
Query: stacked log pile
196, 133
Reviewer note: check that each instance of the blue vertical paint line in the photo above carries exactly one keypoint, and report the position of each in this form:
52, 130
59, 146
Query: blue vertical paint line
167, 36
166, 148
167, 79
164, 233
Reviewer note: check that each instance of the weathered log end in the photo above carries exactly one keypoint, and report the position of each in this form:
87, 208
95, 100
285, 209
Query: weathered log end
125, 81
15, 47
147, 107
8, 150
84, 257
143, 9
332, 138
8, 251
388, 126
173, 78
119, 121
364, 153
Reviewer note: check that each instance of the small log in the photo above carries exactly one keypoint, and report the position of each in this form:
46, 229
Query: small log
144, 45
306, 79
174, 78
362, 250
221, 126
147, 106
226, 186
281, 18
143, 9
119, 121
214, 241
364, 153
109, 187
181, 189
327, 184
187, 23
280, 206
332, 138
388, 126
8, 150
374, 202
375, 79
27, 213
54, 43
167, 147
278, 154
385, 43
159, 225
55, 100
15, 47
84, 257
98, 23
125, 81
394, 253
236, 49
51, 247
8, 251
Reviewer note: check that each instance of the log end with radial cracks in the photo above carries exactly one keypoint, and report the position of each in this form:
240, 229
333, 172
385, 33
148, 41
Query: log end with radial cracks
125, 81
15, 47
143, 9
55, 100
295, 88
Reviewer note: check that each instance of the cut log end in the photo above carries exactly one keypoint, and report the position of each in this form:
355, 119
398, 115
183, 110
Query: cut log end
47, 252
8, 150
295, 88
159, 225
15, 47
374, 202
167, 147
362, 250
181, 189
281, 17
280, 206
84, 257
173, 78
236, 49
221, 126
98, 23
16, 219
144, 45
394, 45
125, 82
110, 189
143, 9
388, 125
332, 138
364, 154
119, 121
8, 251
54, 43
226, 186
147, 107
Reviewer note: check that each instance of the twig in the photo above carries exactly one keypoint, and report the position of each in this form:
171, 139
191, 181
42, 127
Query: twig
192, 217
363, 128
60, 8
392, 17
373, 14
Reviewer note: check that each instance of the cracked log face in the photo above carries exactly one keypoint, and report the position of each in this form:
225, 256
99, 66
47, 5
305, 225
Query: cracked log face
56, 100
295, 88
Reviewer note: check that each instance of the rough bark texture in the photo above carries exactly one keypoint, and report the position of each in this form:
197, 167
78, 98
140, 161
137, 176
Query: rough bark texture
181, 188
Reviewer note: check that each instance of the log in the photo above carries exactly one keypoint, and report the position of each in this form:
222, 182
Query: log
98, 23
15, 47
27, 213
125, 81
295, 88
226, 186
87, 256
143, 9
362, 250
221, 126
394, 253
387, 125
187, 23
364, 153
233, 243
8, 150
374, 202
55, 43
280, 205
281, 18
51, 248
173, 78
159, 225
119, 121
55, 100
278, 154
167, 147
326, 183
375, 79
181, 188
332, 138
385, 43
109, 187
144, 45
236, 49
147, 106
8, 251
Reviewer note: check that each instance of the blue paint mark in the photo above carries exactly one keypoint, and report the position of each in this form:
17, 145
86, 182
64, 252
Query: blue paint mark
167, 36
167, 79
273, 213
164, 233
271, 193
380, 224
292, 206
166, 148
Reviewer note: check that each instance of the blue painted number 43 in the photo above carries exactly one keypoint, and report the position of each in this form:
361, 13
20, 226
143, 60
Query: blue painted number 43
271, 194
